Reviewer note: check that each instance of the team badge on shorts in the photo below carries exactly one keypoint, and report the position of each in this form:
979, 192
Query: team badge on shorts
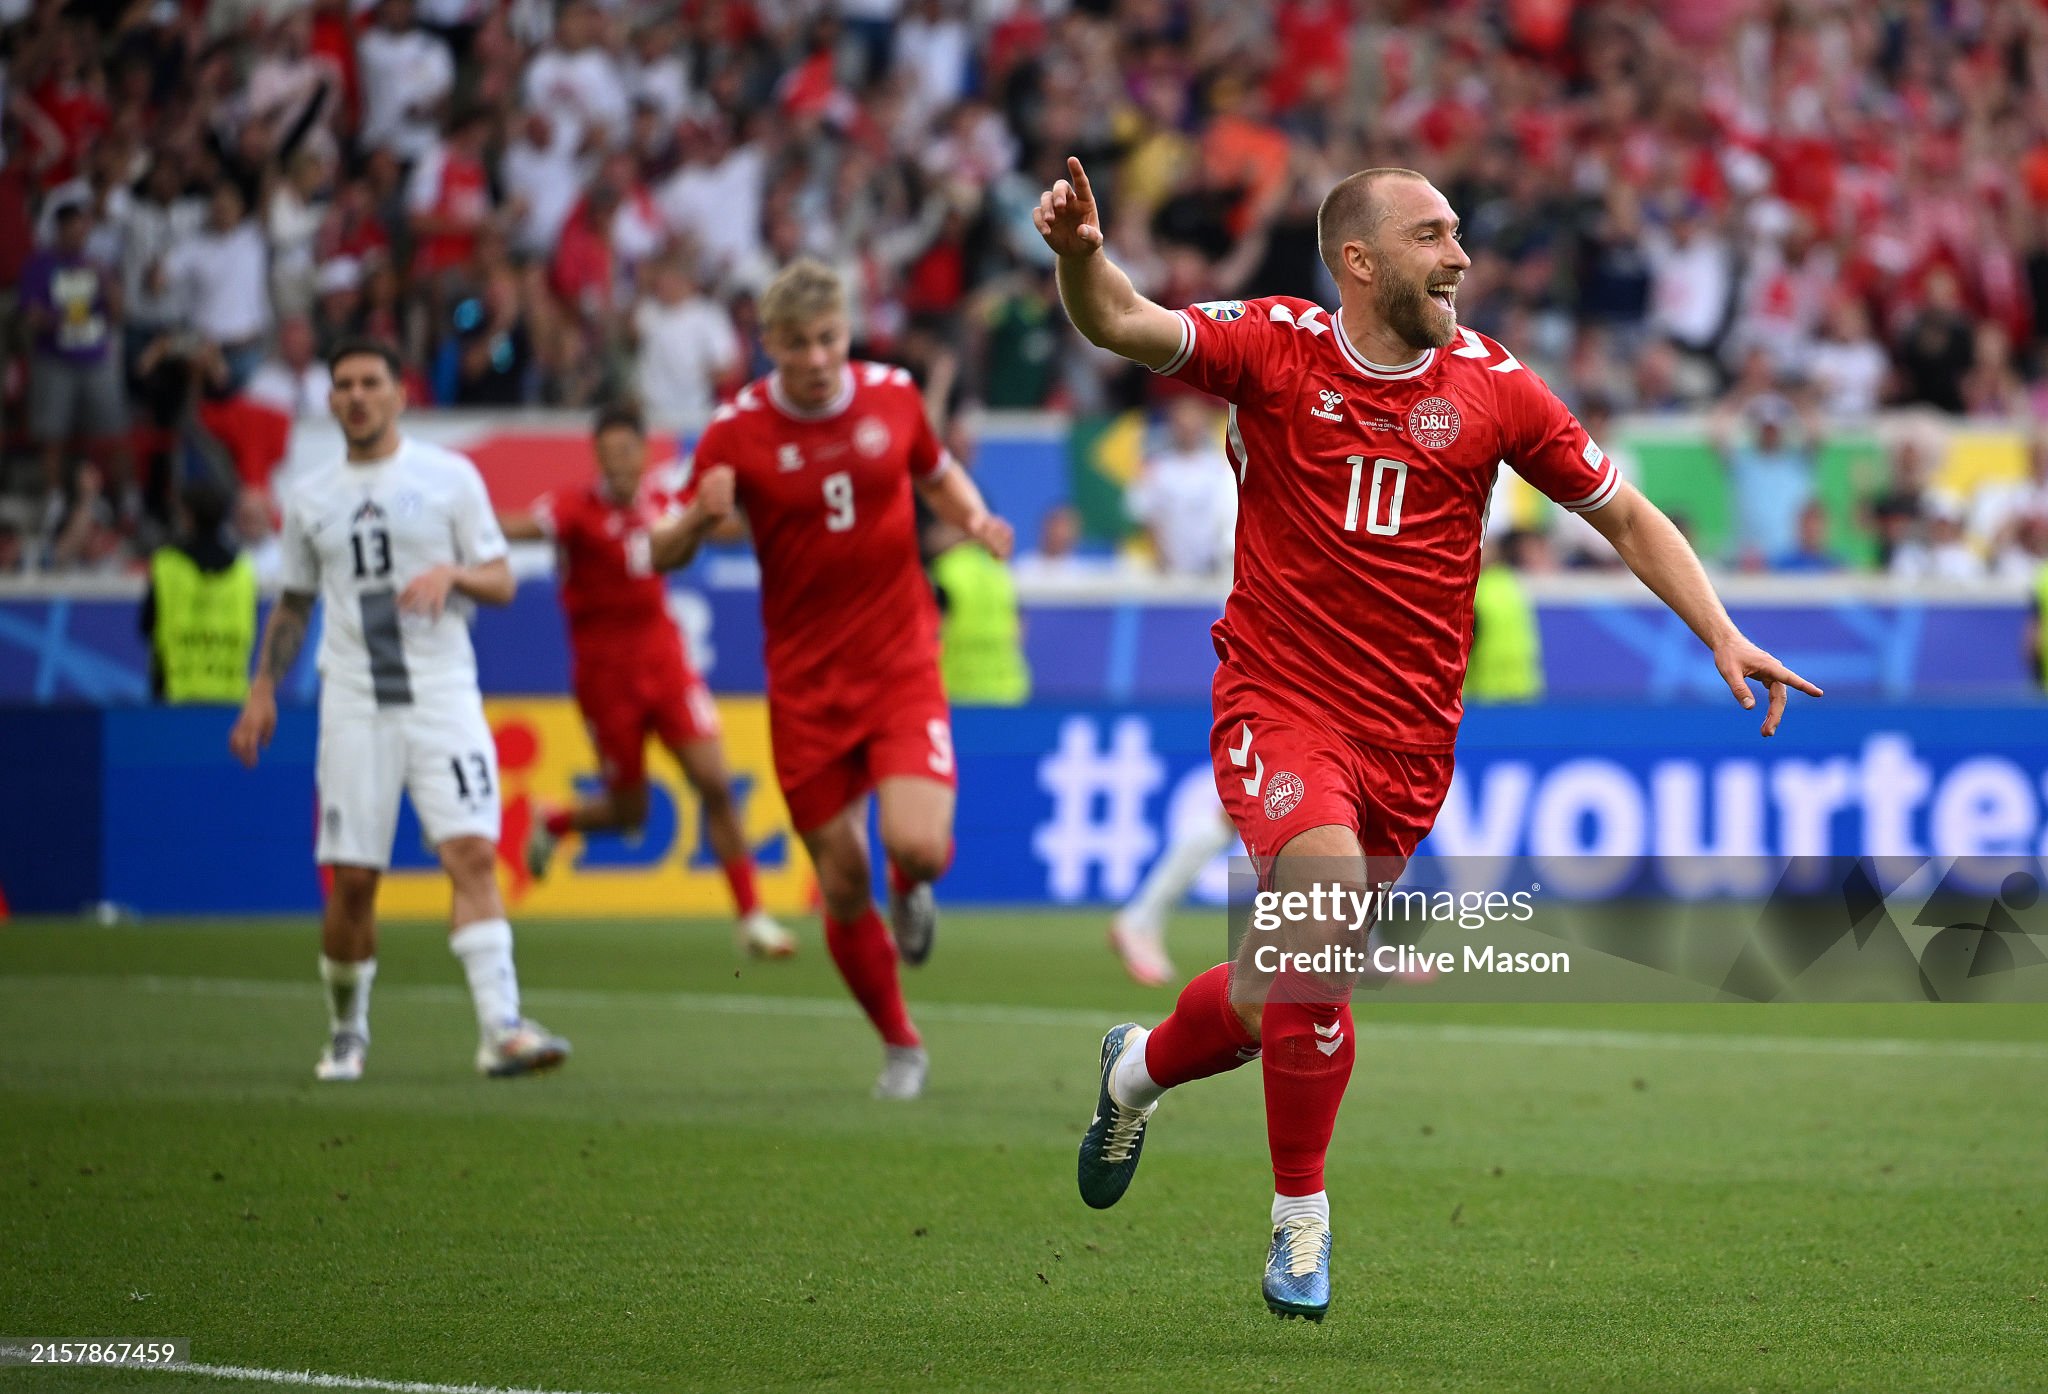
1222, 311
1433, 422
1283, 793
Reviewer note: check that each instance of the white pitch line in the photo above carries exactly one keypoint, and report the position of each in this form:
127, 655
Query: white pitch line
1076, 1018
310, 1379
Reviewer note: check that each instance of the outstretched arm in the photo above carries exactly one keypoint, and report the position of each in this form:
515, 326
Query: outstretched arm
955, 499
1099, 297
284, 634
521, 527
1659, 554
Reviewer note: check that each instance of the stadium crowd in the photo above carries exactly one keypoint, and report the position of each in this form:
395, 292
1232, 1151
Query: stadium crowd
1779, 214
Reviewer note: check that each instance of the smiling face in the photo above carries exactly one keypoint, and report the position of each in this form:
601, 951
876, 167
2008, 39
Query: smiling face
1391, 239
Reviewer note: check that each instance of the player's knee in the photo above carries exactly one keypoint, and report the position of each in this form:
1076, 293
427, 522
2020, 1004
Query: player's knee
468, 860
353, 891
919, 856
843, 886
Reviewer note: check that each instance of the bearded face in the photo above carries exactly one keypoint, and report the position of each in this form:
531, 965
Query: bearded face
1421, 307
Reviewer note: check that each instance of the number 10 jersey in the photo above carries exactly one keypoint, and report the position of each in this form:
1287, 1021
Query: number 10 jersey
1362, 494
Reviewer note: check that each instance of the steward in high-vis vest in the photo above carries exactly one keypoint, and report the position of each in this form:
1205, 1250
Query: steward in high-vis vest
1507, 652
200, 613
981, 638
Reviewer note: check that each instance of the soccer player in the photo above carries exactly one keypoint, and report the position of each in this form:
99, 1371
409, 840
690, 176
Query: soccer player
1365, 445
399, 539
630, 675
822, 456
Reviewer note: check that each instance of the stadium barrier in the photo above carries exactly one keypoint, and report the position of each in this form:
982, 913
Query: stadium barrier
1060, 805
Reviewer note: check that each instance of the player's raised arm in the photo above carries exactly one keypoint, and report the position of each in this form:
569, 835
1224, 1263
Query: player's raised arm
1660, 556
674, 541
1099, 297
521, 527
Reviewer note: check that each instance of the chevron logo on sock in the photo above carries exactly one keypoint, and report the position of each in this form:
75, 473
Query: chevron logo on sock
1327, 1031
1330, 1047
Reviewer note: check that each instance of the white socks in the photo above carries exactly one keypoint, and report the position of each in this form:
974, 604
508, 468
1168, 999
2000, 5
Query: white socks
348, 994
485, 949
1166, 884
1315, 1207
1129, 1082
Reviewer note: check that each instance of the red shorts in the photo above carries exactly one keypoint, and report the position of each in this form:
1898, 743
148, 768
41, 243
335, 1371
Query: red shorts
629, 696
827, 754
1281, 772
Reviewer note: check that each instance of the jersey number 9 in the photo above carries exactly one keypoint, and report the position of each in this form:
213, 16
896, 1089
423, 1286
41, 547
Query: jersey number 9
839, 499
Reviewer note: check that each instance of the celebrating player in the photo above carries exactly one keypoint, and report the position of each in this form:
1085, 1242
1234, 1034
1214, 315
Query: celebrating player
821, 455
400, 541
1365, 444
631, 676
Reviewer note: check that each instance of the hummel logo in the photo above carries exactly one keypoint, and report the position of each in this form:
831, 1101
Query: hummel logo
1333, 1037
1237, 753
1328, 410
1328, 1031
1330, 1047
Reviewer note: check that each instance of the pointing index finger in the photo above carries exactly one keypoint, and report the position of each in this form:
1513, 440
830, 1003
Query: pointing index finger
1080, 175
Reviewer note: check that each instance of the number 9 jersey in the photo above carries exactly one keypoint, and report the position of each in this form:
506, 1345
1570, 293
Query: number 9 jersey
1362, 494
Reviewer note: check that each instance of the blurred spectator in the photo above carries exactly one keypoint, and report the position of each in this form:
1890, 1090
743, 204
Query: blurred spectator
293, 380
1847, 364
220, 273
1770, 478
577, 84
71, 308
448, 197
1057, 557
2000, 506
1937, 550
1185, 499
2023, 560
1811, 553
1936, 347
1896, 511
493, 347
687, 347
406, 73
88, 537
1692, 280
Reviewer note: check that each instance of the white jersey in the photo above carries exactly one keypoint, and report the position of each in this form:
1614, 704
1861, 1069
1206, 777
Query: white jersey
357, 535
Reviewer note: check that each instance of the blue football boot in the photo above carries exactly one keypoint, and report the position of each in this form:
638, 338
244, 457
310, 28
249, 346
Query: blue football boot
1298, 1270
1115, 1136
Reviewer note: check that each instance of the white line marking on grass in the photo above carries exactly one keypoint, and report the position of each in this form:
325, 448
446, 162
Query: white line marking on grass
1069, 1018
308, 1379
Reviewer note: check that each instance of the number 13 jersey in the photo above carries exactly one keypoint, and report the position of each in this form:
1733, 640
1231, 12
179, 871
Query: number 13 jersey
1362, 494
357, 535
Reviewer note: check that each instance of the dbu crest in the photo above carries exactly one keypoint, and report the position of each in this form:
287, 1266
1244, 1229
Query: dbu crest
1433, 422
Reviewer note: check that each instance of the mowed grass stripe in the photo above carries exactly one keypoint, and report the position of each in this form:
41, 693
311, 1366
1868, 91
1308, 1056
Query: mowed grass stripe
1063, 1018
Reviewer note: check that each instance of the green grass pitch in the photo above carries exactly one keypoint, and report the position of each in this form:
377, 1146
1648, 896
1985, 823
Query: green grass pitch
1575, 1199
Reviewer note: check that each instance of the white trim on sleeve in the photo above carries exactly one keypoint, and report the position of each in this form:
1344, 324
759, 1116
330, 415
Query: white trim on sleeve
1602, 496
1186, 350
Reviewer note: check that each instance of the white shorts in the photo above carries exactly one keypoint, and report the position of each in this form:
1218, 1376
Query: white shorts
441, 752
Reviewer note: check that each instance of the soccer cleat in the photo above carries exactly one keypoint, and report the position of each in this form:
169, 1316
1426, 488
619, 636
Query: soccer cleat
1297, 1280
342, 1061
1142, 950
903, 1072
914, 920
1115, 1136
758, 934
540, 848
525, 1048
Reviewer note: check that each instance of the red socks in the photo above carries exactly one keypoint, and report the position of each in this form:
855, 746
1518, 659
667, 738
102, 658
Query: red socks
739, 874
1307, 1050
1203, 1037
866, 958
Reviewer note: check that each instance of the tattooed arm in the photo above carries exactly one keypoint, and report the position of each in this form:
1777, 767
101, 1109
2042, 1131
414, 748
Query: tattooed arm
283, 636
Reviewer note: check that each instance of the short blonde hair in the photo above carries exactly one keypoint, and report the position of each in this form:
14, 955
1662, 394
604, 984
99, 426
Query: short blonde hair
803, 291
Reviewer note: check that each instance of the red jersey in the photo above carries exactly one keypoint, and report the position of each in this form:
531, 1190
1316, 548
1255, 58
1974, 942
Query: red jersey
1362, 496
844, 601
610, 590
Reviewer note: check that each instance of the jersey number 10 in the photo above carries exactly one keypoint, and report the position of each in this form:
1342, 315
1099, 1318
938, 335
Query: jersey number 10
1389, 483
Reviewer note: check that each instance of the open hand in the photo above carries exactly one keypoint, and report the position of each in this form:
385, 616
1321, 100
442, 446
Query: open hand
1738, 660
1066, 216
428, 593
996, 534
254, 727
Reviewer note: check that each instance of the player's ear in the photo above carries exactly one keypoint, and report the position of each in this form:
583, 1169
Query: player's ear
1359, 258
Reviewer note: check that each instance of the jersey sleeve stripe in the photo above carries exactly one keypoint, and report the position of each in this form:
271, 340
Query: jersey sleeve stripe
1186, 350
1601, 496
946, 462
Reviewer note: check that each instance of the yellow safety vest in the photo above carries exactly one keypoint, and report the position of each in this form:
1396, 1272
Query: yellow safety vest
1507, 652
205, 627
981, 651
